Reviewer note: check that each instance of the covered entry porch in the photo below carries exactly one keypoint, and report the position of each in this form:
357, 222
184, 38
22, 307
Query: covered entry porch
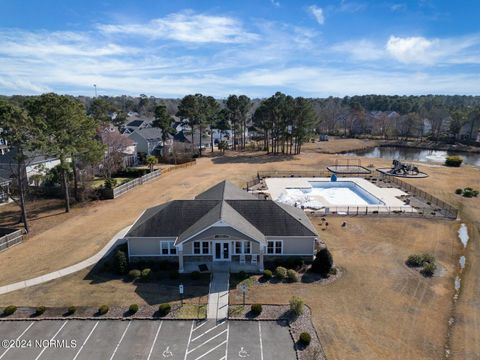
221, 255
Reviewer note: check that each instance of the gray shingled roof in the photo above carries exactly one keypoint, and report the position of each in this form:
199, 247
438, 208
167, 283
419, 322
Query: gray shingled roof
225, 213
225, 190
254, 218
150, 133
272, 219
170, 219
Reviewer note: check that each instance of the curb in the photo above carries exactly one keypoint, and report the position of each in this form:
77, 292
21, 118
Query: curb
89, 318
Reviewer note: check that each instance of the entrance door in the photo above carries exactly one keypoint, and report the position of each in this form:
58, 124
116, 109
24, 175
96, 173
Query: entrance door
222, 251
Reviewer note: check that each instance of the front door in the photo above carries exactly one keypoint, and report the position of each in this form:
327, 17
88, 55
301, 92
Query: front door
222, 251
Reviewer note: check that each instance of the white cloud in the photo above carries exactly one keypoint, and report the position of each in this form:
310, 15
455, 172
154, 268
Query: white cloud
322, 81
414, 49
294, 59
317, 13
275, 3
364, 50
398, 7
42, 44
187, 27
420, 50
350, 6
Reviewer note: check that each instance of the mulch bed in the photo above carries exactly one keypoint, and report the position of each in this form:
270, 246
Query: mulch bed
306, 277
298, 324
84, 312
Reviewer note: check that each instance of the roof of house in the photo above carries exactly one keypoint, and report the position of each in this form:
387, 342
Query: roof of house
149, 134
224, 190
33, 158
257, 219
186, 137
135, 123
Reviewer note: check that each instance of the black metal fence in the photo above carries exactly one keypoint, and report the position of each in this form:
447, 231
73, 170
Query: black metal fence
438, 208
447, 208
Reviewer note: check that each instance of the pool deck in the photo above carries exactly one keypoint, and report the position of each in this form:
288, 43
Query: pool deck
389, 196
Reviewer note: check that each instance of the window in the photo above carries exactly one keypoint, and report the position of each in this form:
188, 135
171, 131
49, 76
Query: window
278, 247
270, 247
205, 247
196, 247
275, 247
242, 247
201, 247
246, 249
238, 247
164, 247
167, 248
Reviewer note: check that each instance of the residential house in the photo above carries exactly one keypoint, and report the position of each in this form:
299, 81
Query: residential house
148, 140
35, 164
223, 227
134, 125
118, 143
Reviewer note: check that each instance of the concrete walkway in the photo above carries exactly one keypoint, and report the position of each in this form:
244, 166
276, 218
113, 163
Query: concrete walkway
218, 296
68, 270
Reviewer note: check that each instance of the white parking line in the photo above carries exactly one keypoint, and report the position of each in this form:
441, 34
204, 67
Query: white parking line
154, 340
226, 347
189, 338
121, 339
206, 332
199, 326
261, 342
18, 338
53, 338
88, 337
207, 341
212, 349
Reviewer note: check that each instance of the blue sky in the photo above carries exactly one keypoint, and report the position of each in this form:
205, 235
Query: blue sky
303, 48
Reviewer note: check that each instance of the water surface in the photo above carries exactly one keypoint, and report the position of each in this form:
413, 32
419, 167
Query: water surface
402, 153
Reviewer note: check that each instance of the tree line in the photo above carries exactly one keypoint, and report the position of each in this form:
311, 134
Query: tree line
65, 127
435, 116
52, 125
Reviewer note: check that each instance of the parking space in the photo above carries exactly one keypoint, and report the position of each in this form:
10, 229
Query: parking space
171, 342
137, 339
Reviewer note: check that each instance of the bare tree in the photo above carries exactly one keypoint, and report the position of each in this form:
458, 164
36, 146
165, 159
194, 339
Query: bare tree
116, 146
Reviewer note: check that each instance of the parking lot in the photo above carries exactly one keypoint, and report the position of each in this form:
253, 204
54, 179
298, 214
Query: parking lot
145, 339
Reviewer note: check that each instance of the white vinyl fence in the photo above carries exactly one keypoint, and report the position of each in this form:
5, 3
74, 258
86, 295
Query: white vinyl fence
122, 189
10, 237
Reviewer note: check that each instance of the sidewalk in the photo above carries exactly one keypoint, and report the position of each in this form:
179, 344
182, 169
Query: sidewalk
68, 270
218, 296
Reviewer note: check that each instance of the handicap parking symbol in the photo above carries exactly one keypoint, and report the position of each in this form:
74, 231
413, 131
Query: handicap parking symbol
167, 353
243, 353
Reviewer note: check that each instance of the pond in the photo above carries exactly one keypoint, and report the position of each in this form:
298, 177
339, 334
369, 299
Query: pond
403, 153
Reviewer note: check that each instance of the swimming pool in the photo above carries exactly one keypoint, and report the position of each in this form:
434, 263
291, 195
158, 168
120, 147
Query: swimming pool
337, 196
343, 192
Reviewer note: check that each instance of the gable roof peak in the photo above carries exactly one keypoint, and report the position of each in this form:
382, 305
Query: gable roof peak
225, 190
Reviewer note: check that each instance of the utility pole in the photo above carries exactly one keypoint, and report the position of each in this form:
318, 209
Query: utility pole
95, 87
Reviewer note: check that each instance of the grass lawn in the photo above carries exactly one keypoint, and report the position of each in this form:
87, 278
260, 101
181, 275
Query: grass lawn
190, 311
98, 182
378, 309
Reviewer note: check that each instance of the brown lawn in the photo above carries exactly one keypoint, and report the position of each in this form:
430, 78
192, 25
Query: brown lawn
83, 289
336, 145
378, 310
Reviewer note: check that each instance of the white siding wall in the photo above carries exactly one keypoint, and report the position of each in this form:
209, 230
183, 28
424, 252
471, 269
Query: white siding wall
145, 246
